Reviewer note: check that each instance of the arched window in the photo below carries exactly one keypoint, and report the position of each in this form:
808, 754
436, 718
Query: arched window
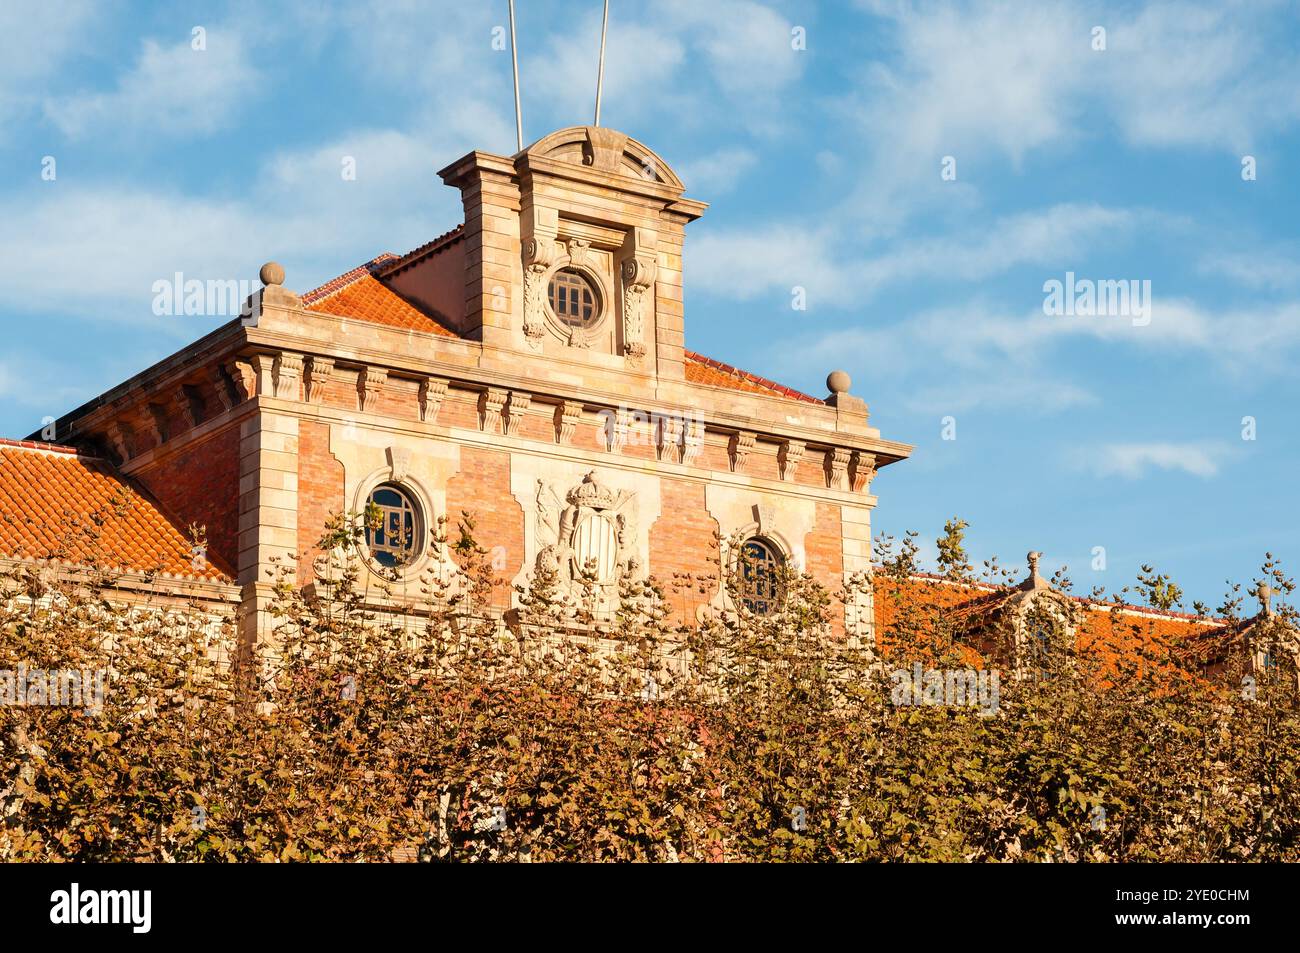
760, 576
393, 526
573, 299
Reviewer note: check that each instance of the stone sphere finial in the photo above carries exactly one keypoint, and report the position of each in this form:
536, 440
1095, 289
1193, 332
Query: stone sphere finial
838, 382
272, 273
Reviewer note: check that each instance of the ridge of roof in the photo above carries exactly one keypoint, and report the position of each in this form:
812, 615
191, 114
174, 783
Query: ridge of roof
48, 447
340, 282
993, 588
743, 375
432, 247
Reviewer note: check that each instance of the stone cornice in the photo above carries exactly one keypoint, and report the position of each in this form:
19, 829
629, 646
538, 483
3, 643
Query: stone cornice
583, 456
654, 396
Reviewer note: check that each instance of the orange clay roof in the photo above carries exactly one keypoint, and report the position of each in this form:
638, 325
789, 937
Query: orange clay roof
366, 298
1124, 638
57, 504
360, 294
705, 370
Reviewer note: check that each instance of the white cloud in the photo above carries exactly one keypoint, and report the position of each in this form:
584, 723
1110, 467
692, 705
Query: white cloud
173, 89
945, 361
1260, 269
747, 262
1133, 461
717, 172
1253, 341
990, 81
39, 37
1201, 74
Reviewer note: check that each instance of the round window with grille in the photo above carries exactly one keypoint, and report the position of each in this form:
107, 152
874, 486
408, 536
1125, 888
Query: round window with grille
573, 299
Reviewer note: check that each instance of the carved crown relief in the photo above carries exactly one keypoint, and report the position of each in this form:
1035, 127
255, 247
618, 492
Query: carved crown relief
591, 527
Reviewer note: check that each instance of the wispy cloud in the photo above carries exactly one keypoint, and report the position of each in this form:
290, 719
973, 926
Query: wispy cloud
171, 89
746, 263
716, 173
1132, 461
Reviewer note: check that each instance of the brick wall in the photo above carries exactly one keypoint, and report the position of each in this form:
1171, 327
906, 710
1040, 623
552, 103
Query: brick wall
320, 491
824, 547
683, 542
201, 485
482, 488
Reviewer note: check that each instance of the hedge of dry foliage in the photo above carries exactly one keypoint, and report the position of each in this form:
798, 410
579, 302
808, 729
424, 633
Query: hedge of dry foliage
444, 736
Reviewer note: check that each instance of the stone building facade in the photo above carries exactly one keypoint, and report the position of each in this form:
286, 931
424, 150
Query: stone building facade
529, 366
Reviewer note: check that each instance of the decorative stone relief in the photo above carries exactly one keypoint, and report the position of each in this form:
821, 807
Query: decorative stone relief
572, 514
837, 468
222, 385
369, 383
638, 271
742, 445
604, 148
788, 458
155, 419
399, 463
692, 441
286, 373
121, 436
591, 527
244, 379
516, 406
567, 415
540, 226
316, 371
670, 438
579, 252
188, 404
433, 391
263, 366
862, 470
490, 404
617, 425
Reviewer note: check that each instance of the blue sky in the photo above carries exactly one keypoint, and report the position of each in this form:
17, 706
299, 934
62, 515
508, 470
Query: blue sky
824, 168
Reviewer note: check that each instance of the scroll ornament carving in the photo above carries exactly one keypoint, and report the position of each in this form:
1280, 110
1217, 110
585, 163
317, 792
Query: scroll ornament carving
538, 255
638, 278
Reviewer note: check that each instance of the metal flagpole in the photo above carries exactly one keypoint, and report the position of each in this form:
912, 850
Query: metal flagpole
514, 56
600, 77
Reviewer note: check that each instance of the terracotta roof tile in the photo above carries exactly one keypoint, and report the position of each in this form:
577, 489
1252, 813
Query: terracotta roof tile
705, 370
1123, 637
56, 504
366, 298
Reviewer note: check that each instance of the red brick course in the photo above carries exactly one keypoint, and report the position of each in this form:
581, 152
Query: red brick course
201, 485
320, 491
482, 488
683, 548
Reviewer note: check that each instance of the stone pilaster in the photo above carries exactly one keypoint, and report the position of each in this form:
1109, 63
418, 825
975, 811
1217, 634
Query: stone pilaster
268, 514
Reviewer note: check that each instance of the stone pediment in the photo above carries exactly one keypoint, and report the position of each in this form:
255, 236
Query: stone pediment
606, 150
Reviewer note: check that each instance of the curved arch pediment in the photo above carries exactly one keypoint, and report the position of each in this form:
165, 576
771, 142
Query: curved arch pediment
606, 150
